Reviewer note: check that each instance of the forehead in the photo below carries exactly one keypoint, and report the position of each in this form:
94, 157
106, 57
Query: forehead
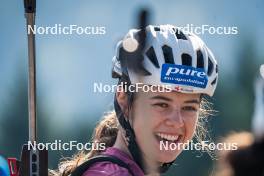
173, 95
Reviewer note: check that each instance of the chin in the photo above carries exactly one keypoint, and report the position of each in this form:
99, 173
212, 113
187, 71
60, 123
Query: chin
167, 156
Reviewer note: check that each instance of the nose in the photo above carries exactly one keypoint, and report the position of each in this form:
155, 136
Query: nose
174, 119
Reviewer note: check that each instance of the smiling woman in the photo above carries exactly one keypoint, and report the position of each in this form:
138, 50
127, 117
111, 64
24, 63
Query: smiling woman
142, 120
163, 117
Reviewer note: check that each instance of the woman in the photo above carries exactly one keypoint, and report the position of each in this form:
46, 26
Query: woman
185, 69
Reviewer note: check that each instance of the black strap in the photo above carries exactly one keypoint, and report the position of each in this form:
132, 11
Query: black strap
79, 171
130, 134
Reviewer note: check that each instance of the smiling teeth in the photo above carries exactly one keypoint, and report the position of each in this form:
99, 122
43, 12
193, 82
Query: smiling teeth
168, 137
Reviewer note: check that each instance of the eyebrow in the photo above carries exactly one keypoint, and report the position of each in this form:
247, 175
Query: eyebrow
192, 101
159, 97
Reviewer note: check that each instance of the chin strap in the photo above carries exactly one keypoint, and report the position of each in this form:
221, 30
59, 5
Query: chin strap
131, 139
130, 136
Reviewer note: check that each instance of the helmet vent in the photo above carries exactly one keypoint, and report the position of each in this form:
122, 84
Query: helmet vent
200, 59
216, 68
152, 57
186, 59
179, 34
156, 28
210, 67
214, 81
168, 56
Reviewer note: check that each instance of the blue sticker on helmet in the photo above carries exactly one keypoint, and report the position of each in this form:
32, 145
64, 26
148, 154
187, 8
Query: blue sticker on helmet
183, 75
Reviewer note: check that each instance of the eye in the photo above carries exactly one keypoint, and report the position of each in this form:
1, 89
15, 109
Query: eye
190, 108
161, 105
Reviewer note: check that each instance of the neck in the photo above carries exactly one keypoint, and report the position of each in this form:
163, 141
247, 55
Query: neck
150, 165
120, 143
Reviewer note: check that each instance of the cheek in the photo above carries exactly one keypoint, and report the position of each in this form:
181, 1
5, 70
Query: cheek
144, 123
145, 120
190, 127
142, 115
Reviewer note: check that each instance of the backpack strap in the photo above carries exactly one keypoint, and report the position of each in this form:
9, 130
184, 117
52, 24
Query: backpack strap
79, 171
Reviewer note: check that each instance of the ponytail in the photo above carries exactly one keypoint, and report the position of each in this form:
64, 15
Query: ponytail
105, 132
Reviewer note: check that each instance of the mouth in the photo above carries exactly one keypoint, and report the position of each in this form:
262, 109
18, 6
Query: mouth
171, 138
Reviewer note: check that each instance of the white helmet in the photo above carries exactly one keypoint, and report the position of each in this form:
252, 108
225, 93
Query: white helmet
171, 58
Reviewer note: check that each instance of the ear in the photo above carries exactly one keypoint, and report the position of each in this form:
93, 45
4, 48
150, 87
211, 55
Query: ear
122, 101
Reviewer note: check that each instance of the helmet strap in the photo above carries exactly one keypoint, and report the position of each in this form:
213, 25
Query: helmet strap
130, 136
131, 139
